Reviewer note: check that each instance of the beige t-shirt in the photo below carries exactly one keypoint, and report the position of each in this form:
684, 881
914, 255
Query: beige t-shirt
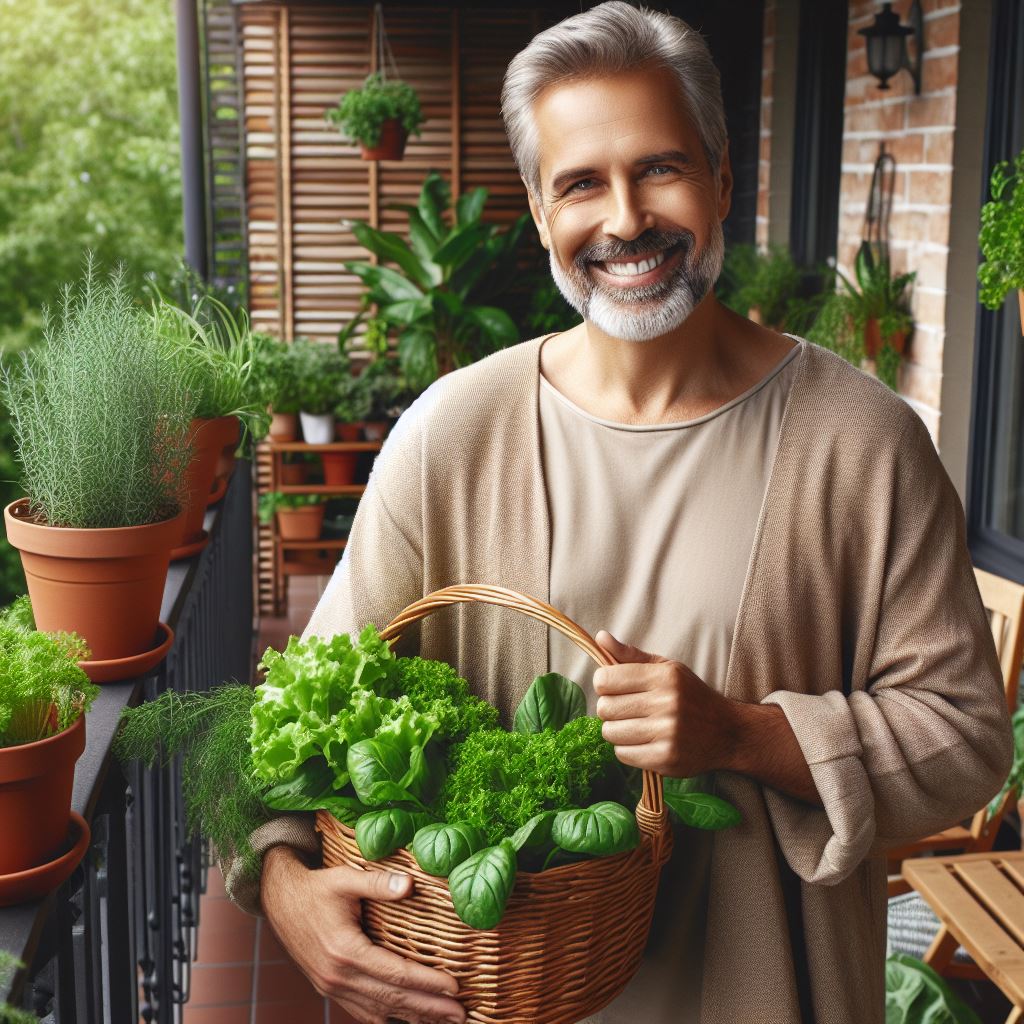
651, 533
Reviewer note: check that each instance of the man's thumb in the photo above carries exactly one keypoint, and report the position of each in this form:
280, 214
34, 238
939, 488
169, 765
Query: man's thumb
372, 885
624, 653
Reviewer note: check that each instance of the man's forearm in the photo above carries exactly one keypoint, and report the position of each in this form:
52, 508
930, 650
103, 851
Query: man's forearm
764, 747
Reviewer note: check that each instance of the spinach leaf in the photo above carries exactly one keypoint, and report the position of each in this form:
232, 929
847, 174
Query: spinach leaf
600, 829
481, 885
550, 702
312, 782
380, 833
439, 848
376, 768
702, 810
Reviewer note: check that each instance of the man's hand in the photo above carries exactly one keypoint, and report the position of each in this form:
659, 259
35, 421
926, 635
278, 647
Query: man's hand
316, 916
660, 716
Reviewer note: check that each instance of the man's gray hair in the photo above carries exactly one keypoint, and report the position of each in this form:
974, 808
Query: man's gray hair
610, 38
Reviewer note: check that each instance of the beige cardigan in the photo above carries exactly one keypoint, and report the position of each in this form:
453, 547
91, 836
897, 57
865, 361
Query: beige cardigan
860, 617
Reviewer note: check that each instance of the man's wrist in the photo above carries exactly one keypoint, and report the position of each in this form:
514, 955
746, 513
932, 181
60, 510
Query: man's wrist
745, 729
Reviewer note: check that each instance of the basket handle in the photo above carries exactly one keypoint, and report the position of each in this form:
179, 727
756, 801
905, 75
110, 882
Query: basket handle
650, 812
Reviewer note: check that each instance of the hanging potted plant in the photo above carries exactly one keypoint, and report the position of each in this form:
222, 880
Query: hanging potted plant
1002, 238
44, 696
299, 516
319, 370
100, 413
217, 347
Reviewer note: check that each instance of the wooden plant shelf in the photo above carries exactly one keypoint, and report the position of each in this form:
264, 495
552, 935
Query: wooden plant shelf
334, 446
339, 491
323, 544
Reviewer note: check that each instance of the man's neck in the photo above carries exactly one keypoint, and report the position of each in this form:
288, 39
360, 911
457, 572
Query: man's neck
712, 357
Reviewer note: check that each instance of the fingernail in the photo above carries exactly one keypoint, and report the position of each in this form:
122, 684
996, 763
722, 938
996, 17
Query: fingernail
396, 883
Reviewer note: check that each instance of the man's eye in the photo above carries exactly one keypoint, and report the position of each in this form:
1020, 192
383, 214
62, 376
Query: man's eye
574, 186
653, 167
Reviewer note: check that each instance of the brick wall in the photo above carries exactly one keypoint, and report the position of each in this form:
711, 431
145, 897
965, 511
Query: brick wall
918, 132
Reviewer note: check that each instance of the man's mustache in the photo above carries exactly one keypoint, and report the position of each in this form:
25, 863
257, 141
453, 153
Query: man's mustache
641, 246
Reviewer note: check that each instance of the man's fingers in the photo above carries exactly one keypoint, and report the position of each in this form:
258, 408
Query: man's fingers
630, 732
616, 679
621, 706
646, 756
369, 885
403, 1002
388, 967
625, 652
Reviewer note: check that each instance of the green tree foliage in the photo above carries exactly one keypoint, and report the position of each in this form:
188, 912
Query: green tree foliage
88, 148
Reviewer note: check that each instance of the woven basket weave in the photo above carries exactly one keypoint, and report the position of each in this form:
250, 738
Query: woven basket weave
572, 936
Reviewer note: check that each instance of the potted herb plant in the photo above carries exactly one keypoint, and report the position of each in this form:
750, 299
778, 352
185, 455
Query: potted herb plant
350, 409
274, 378
881, 304
380, 116
319, 370
388, 395
438, 297
1002, 237
100, 413
44, 696
217, 347
299, 516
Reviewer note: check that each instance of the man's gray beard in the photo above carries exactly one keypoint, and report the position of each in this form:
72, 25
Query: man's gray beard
648, 311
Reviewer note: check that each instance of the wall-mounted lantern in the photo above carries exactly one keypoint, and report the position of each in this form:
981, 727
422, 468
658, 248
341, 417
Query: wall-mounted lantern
887, 45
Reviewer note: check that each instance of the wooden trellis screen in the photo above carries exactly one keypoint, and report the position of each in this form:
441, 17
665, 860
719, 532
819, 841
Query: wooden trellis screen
302, 178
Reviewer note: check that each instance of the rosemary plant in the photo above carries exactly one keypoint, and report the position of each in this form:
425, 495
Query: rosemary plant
100, 413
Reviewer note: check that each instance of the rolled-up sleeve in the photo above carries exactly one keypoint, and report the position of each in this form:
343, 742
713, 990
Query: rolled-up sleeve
925, 740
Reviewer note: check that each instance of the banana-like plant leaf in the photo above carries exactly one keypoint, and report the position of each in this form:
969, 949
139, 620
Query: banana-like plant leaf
389, 246
499, 327
417, 355
461, 243
389, 281
408, 311
468, 207
435, 197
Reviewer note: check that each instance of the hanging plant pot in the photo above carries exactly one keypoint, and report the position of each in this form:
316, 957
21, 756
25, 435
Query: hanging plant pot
106, 585
873, 339
303, 523
35, 798
317, 429
391, 145
284, 426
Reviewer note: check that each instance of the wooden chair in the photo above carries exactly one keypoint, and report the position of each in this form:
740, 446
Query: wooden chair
978, 900
1004, 601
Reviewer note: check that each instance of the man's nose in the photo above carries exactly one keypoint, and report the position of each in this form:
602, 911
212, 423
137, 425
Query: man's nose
626, 216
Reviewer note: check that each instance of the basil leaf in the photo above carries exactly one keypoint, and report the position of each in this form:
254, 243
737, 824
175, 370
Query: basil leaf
702, 810
481, 885
380, 833
426, 772
347, 809
312, 782
376, 767
439, 848
535, 835
600, 829
550, 702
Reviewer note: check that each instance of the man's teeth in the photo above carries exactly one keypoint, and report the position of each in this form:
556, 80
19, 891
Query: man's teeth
635, 269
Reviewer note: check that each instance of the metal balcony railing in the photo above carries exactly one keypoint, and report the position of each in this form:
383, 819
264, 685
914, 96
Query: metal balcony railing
115, 943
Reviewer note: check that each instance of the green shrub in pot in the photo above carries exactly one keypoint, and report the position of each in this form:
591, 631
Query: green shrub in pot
273, 374
1002, 237
100, 411
319, 370
361, 113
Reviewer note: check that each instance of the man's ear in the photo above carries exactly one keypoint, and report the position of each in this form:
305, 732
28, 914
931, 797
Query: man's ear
537, 212
724, 185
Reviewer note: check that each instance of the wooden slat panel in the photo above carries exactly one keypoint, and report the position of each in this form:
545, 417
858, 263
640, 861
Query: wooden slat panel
1002, 898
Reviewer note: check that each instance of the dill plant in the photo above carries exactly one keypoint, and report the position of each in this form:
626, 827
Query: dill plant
100, 413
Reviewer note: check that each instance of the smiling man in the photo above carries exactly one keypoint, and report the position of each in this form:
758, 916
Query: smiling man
798, 615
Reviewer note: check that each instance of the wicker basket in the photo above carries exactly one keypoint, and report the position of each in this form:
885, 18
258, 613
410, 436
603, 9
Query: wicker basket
572, 936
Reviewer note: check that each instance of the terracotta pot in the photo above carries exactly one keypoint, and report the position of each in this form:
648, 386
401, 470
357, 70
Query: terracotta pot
226, 460
317, 428
303, 523
293, 473
209, 438
391, 145
873, 339
35, 797
375, 430
284, 426
339, 467
106, 584
347, 431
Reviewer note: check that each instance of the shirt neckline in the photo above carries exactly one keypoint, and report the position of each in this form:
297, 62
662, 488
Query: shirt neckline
792, 354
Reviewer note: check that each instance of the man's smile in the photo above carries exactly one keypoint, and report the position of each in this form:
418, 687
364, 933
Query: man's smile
631, 272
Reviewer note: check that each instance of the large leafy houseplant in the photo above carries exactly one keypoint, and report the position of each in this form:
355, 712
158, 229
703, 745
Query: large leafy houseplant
401, 750
436, 297
101, 412
362, 113
1002, 237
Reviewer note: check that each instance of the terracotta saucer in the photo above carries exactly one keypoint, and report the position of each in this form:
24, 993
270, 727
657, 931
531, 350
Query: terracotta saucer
34, 883
220, 488
192, 548
115, 669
